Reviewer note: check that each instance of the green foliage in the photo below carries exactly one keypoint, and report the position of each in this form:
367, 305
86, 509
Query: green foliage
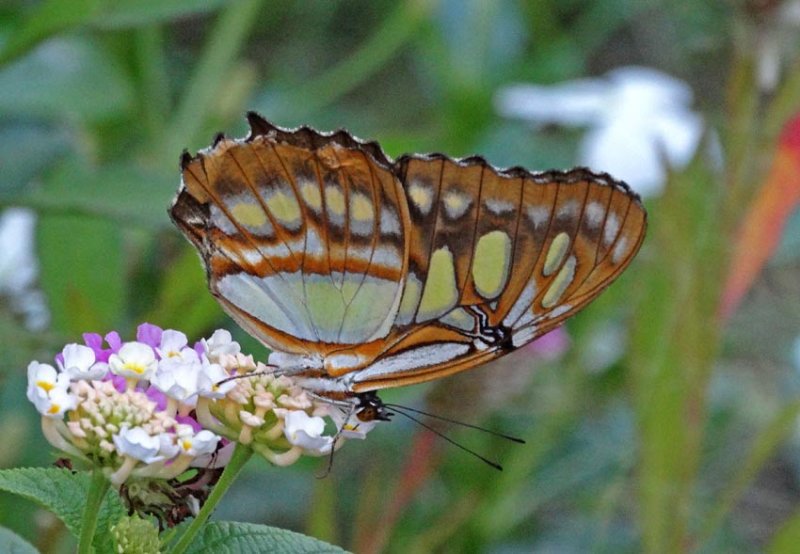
64, 494
14, 544
133, 535
248, 538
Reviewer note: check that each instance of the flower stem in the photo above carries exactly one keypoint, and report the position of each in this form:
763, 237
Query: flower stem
240, 456
98, 486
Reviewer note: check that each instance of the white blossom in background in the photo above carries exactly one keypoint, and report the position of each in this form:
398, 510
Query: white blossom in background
19, 267
776, 43
636, 118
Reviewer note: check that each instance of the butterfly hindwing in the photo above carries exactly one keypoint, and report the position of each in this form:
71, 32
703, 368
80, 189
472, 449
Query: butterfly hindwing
304, 248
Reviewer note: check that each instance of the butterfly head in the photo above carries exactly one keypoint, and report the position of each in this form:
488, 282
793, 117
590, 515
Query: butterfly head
371, 408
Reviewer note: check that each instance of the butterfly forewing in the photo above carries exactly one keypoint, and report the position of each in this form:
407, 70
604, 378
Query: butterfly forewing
363, 273
534, 250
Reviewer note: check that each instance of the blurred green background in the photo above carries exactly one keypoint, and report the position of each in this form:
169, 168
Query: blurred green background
662, 427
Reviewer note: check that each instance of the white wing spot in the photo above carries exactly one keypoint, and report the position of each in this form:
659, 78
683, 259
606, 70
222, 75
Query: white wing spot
498, 206
538, 215
390, 225
594, 214
611, 229
421, 197
569, 209
456, 204
619, 250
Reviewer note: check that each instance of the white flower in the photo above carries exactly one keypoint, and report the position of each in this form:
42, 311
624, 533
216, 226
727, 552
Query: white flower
220, 343
176, 378
79, 363
796, 353
55, 403
173, 345
202, 443
305, 431
43, 379
636, 116
138, 444
215, 459
209, 381
135, 360
19, 266
167, 449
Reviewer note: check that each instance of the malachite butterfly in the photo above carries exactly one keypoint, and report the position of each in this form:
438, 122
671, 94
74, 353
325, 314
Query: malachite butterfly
361, 272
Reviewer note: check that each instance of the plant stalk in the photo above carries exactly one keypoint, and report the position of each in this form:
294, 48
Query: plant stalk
239, 458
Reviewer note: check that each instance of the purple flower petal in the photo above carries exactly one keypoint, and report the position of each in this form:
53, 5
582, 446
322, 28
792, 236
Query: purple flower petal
200, 348
149, 334
188, 420
95, 342
114, 341
118, 381
158, 397
551, 345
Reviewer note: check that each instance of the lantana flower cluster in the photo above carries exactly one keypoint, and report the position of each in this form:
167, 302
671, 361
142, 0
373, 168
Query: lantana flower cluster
156, 406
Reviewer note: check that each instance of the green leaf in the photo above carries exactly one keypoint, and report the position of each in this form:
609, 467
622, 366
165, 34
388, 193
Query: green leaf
63, 493
65, 79
674, 341
11, 543
129, 13
220, 537
125, 194
787, 538
55, 16
184, 302
82, 272
47, 19
27, 150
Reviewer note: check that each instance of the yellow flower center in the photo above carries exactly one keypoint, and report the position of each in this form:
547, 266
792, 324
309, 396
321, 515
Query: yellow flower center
46, 385
135, 367
54, 409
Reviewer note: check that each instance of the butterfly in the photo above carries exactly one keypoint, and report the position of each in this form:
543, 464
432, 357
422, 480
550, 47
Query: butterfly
361, 272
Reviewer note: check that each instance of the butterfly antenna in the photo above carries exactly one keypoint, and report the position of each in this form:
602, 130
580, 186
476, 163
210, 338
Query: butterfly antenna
246, 375
456, 422
333, 445
445, 437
